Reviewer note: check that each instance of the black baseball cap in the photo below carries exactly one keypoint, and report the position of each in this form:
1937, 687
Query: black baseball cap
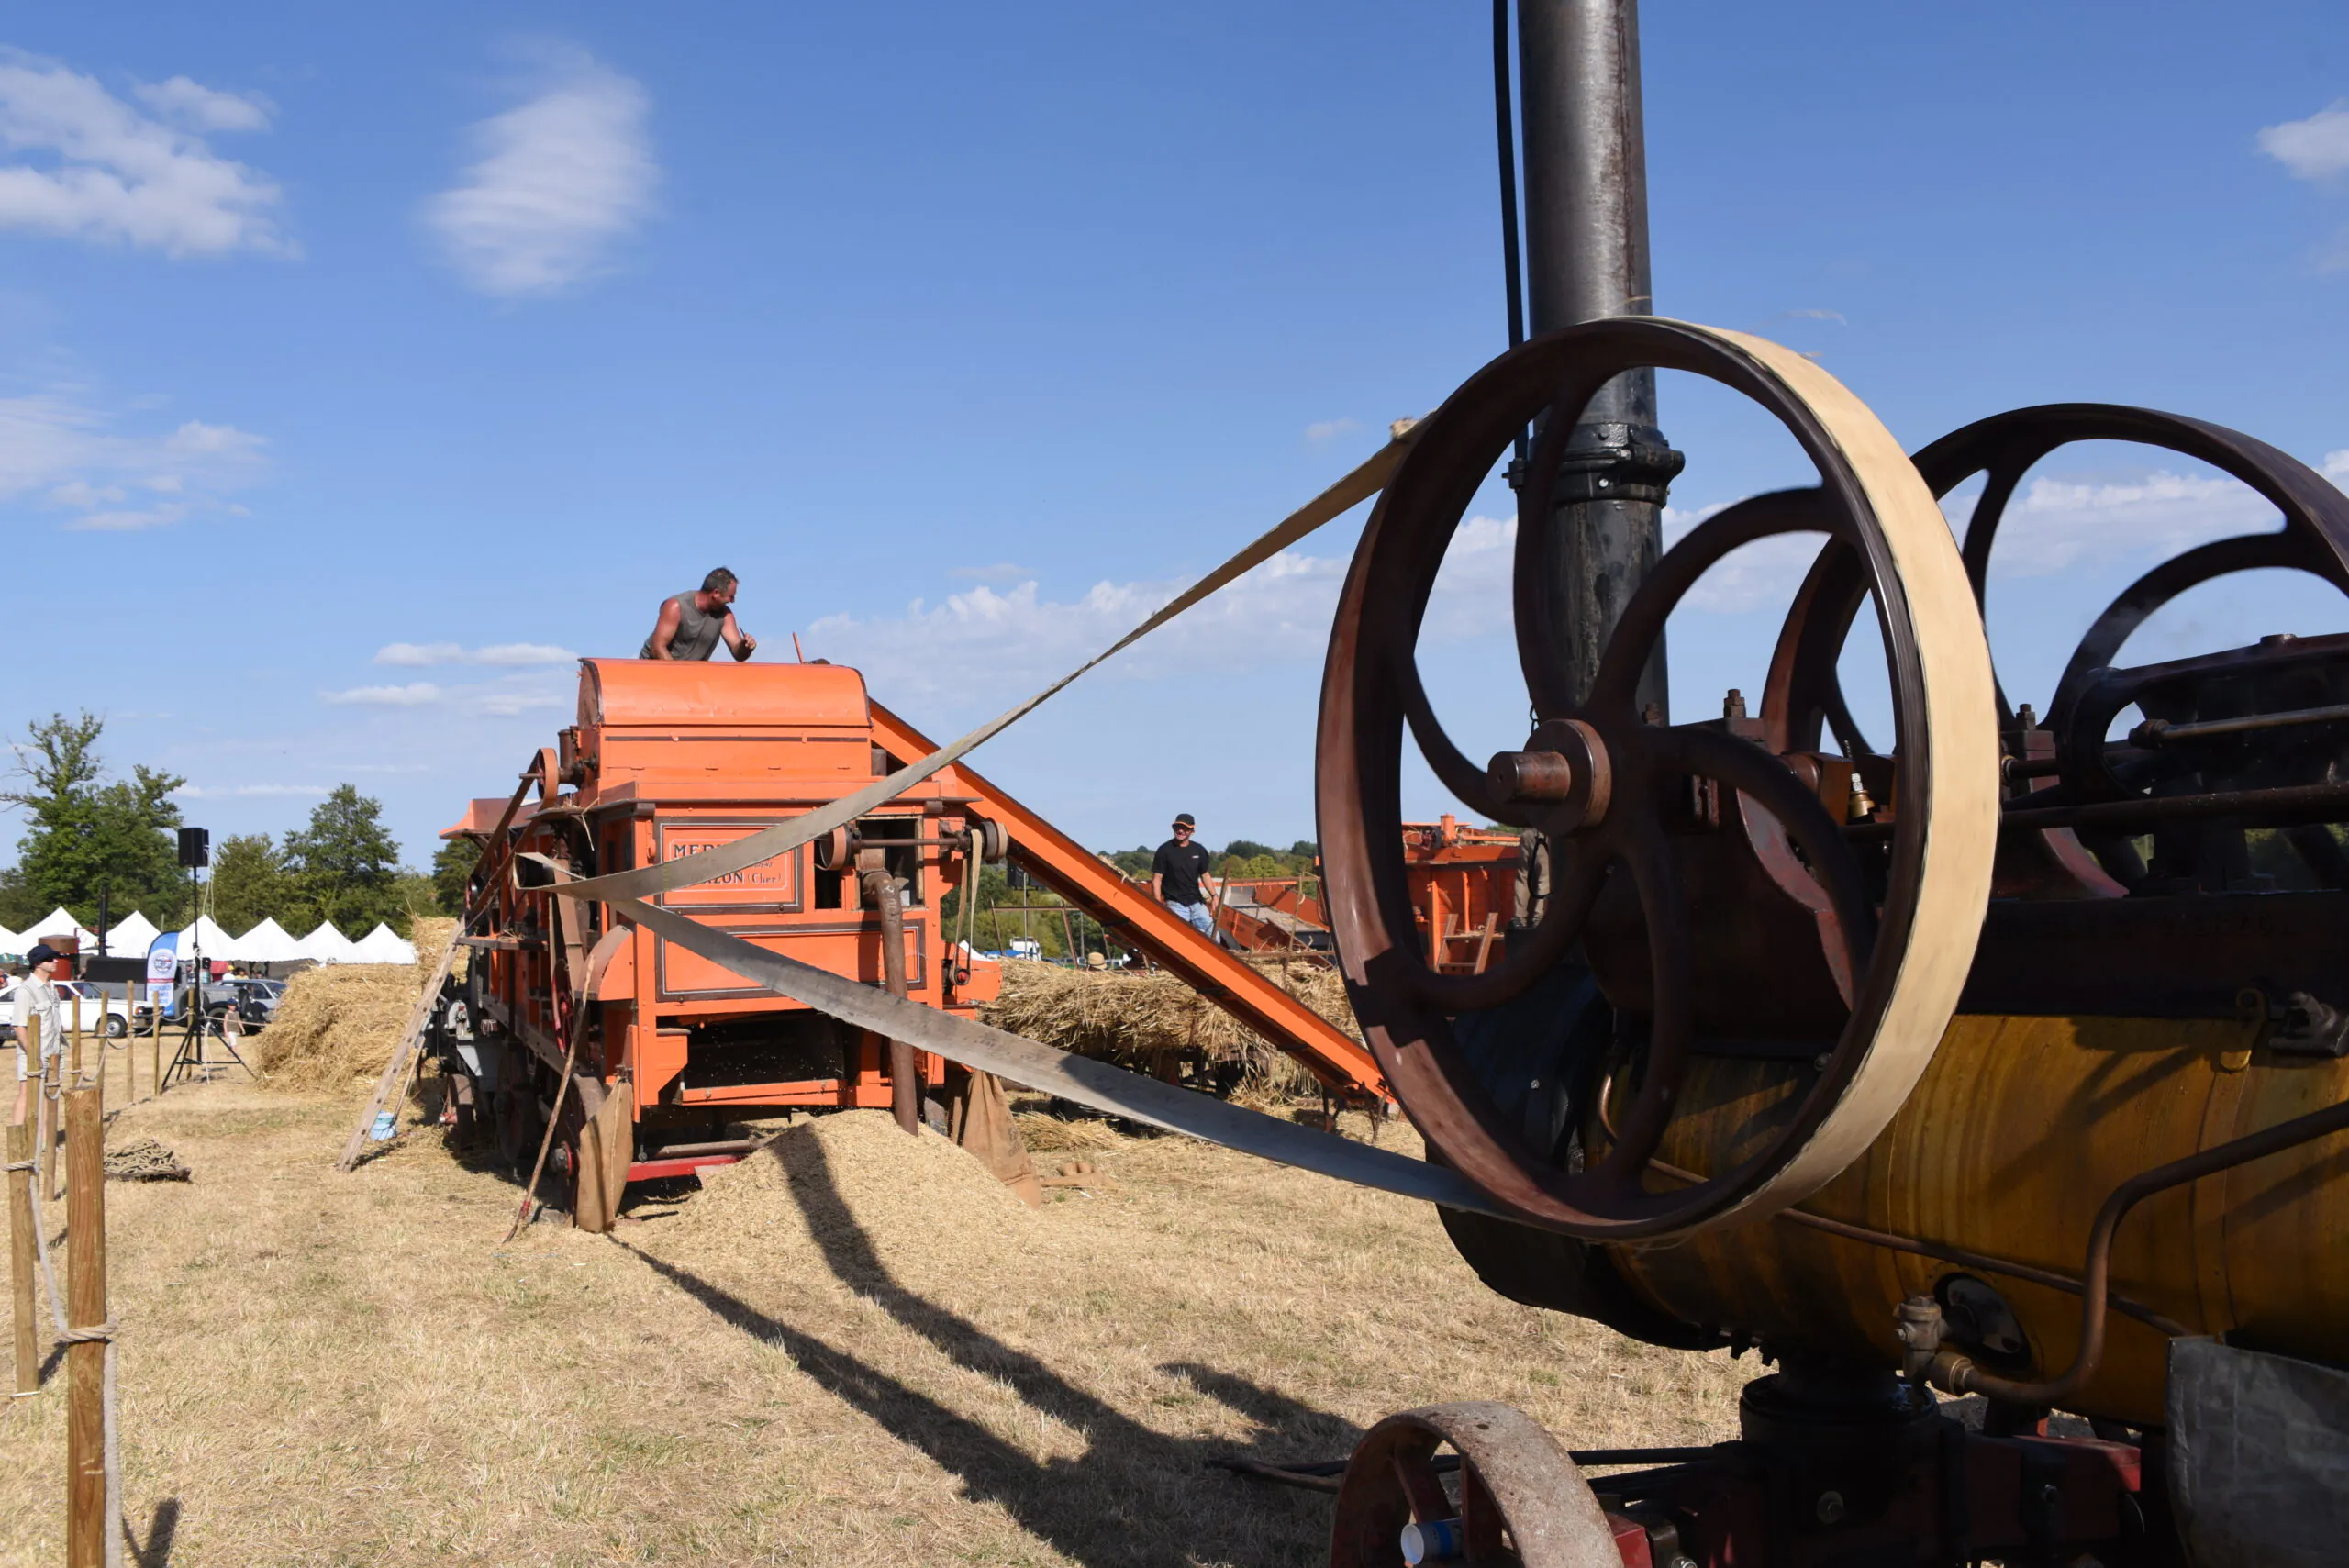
1183, 819
41, 952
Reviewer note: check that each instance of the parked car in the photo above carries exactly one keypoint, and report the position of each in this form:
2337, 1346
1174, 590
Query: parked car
254, 1001
95, 1005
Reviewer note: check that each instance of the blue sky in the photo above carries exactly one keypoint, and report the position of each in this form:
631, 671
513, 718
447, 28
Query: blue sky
358, 367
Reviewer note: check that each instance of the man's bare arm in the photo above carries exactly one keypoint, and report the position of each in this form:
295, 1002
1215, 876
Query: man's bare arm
740, 642
1157, 887
664, 630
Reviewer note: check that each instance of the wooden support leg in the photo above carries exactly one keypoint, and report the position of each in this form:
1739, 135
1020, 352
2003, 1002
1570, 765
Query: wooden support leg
87, 1524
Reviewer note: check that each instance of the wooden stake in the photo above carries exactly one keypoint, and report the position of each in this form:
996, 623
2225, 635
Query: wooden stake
85, 1308
51, 1133
24, 1265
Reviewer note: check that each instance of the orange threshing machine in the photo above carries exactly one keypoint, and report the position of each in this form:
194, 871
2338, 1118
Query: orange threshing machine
667, 1049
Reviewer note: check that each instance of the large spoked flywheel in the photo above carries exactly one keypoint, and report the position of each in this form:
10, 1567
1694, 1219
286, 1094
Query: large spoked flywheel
1603, 780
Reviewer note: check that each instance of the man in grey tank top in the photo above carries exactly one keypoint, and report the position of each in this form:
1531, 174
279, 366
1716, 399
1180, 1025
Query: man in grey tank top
693, 624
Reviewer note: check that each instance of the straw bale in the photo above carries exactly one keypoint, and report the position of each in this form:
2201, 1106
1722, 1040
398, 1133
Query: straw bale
337, 1023
1132, 1019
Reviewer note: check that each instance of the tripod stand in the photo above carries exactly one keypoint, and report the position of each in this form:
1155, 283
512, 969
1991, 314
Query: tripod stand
188, 1059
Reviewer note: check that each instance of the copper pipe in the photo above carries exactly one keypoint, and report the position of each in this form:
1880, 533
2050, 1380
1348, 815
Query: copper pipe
1956, 1373
905, 1093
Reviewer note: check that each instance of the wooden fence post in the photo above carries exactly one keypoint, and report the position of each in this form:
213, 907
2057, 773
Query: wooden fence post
52, 1168
86, 1525
24, 1265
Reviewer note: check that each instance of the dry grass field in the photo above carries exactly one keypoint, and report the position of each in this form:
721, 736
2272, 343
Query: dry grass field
854, 1348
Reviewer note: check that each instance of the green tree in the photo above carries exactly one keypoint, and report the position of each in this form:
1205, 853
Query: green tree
346, 868
87, 835
251, 884
452, 863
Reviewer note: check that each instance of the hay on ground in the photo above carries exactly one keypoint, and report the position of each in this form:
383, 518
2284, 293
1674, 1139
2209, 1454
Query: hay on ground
1137, 1019
849, 1175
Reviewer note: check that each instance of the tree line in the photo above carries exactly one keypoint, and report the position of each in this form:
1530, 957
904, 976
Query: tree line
89, 834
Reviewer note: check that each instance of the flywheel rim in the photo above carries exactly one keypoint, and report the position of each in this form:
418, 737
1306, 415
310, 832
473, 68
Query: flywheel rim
1947, 830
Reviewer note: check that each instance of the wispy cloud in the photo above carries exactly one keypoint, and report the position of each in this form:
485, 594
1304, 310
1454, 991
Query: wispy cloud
61, 452
1017, 638
1330, 429
417, 694
561, 178
227, 792
509, 655
2062, 521
204, 109
83, 165
2314, 148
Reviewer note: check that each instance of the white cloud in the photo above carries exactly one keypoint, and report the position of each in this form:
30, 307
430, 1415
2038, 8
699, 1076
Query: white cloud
2314, 148
561, 176
417, 694
2059, 522
1324, 429
87, 165
128, 521
506, 704
511, 655
2336, 466
204, 107
224, 792
1016, 640
58, 445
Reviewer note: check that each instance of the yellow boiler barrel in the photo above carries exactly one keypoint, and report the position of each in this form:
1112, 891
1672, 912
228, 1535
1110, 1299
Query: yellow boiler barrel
2019, 1132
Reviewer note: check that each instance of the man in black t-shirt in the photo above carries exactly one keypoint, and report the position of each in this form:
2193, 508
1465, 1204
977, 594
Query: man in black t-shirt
1178, 876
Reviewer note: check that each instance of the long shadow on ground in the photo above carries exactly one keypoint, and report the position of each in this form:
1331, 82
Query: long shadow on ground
1117, 1503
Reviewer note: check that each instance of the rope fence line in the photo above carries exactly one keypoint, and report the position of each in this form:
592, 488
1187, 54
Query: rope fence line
96, 1526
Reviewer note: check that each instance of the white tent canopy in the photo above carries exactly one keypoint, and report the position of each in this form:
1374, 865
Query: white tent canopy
268, 942
325, 945
382, 945
11, 943
59, 923
207, 935
131, 936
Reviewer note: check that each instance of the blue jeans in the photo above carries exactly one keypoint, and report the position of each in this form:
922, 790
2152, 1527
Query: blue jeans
1196, 914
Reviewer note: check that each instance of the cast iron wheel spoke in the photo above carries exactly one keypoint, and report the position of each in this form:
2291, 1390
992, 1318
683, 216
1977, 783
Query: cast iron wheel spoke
1636, 633
1481, 1521
1772, 785
1463, 778
1803, 687
1656, 874
1422, 1487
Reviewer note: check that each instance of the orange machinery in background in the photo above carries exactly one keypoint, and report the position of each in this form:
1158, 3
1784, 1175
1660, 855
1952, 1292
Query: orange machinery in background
1464, 890
670, 759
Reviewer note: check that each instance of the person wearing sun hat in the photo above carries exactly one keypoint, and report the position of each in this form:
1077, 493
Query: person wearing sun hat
1178, 876
36, 998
